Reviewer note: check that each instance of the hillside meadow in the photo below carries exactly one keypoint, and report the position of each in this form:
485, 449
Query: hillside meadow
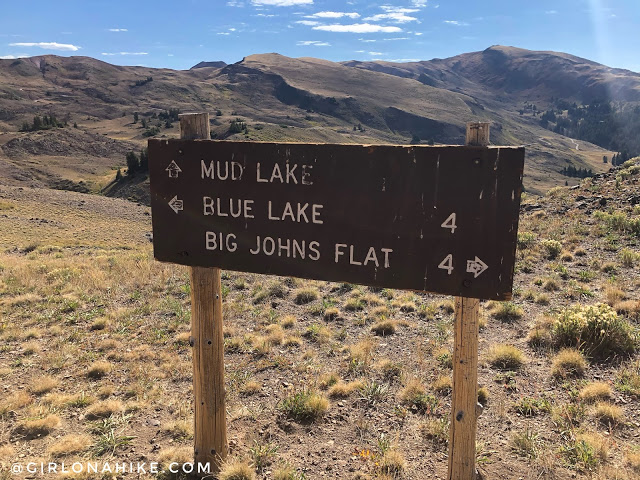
324, 380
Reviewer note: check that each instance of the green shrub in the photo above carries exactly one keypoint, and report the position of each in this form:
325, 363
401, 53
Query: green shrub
595, 329
304, 406
525, 240
552, 248
507, 312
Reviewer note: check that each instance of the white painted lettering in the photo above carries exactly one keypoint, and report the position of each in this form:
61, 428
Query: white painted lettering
268, 250
258, 178
306, 176
271, 217
290, 173
351, 260
315, 253
207, 203
206, 172
386, 252
316, 214
288, 212
338, 251
284, 246
298, 248
276, 174
371, 257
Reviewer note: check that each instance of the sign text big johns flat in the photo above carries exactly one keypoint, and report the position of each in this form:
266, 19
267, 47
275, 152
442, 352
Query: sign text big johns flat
438, 219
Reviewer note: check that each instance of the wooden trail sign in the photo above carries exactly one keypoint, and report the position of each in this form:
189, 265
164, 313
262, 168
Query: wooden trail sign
438, 219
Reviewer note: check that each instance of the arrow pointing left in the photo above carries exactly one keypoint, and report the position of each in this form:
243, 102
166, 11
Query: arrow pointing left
176, 205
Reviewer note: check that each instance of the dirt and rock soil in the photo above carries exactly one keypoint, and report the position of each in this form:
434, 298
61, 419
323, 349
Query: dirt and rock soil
333, 380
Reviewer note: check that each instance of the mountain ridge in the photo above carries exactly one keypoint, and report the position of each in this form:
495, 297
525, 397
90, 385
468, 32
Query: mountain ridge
314, 100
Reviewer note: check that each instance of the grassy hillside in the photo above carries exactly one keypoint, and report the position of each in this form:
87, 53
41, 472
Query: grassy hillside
323, 379
285, 99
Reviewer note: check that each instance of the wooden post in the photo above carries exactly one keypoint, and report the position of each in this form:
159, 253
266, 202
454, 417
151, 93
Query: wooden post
210, 424
464, 397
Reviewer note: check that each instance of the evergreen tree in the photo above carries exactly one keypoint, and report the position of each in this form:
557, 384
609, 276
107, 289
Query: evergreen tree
144, 160
135, 117
133, 163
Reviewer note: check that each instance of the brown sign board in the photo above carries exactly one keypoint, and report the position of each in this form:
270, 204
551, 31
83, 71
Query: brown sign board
424, 218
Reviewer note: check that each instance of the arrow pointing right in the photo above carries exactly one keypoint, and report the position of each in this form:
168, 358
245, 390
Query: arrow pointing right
476, 267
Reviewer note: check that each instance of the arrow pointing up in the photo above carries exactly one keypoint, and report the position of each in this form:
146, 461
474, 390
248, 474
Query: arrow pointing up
176, 205
173, 169
476, 267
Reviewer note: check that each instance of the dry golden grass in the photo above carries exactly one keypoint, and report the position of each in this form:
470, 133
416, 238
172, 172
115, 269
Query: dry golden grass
384, 327
633, 460
179, 429
236, 469
15, 401
331, 313
275, 334
179, 455
31, 348
568, 362
345, 389
39, 427
303, 296
69, 445
6, 452
598, 443
614, 295
99, 369
595, 391
412, 390
104, 409
443, 385
251, 388
288, 321
608, 414
505, 357
392, 462
42, 385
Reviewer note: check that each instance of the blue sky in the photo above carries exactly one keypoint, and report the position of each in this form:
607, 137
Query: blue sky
180, 34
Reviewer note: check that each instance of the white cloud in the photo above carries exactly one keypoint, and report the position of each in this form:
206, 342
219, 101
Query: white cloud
66, 47
357, 28
232, 29
281, 3
551, 12
334, 15
421, 3
223, 33
395, 38
118, 30
315, 43
376, 53
391, 8
264, 15
417, 33
8, 57
456, 23
123, 53
308, 23
367, 40
403, 60
393, 17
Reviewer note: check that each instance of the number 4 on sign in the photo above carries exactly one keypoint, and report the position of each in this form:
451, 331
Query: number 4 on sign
450, 222
447, 263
